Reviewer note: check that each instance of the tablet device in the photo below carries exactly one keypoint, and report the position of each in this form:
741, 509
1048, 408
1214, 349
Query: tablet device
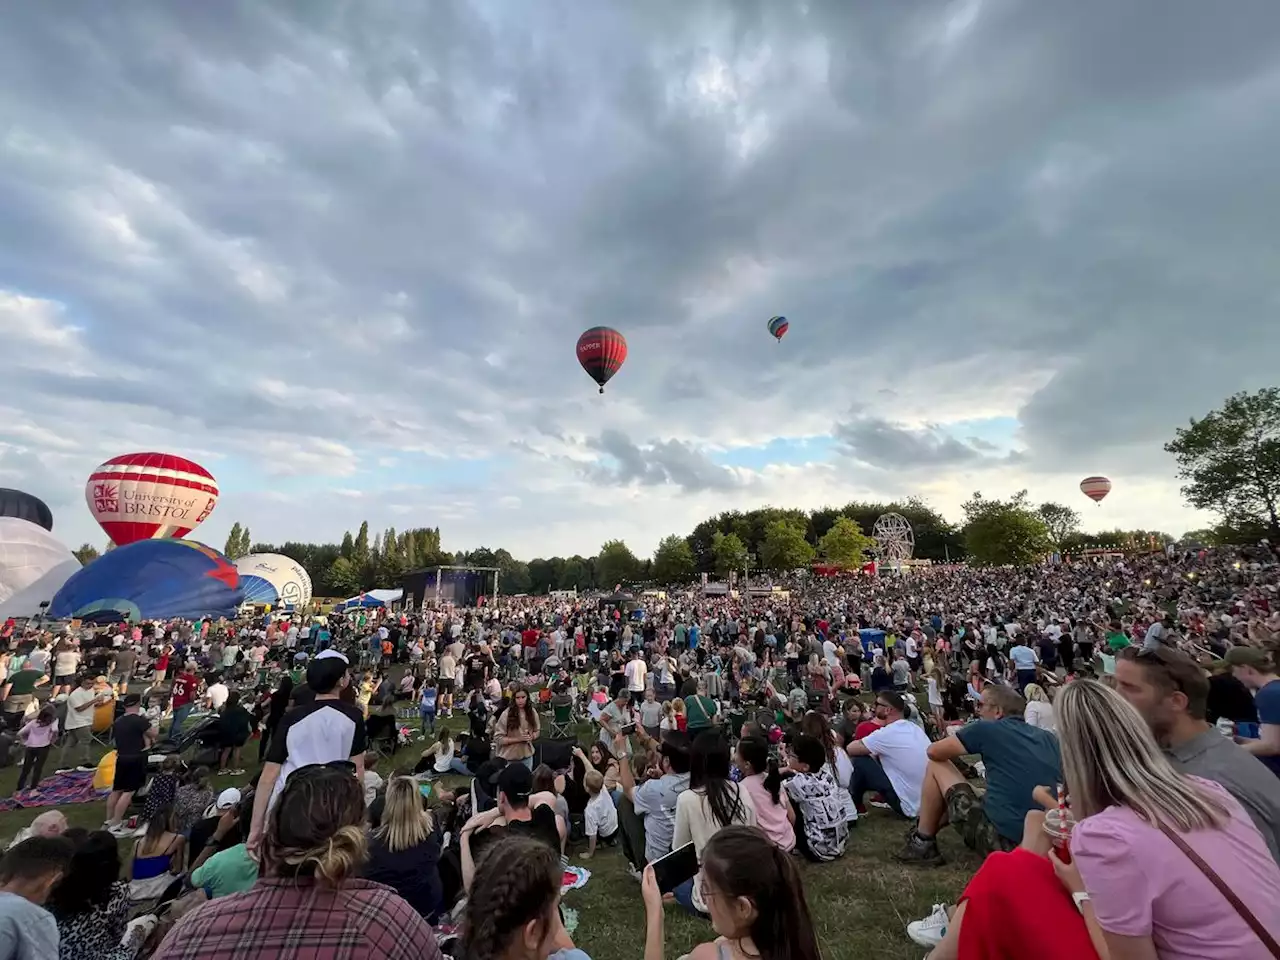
675, 868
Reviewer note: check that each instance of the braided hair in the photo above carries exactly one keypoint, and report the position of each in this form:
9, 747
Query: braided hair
517, 880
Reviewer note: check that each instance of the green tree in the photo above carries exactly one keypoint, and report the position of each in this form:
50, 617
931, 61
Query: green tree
615, 564
343, 577
513, 574
85, 553
729, 553
1060, 520
784, 546
246, 542
360, 549
233, 548
845, 545
1230, 460
673, 561
1000, 532
348, 548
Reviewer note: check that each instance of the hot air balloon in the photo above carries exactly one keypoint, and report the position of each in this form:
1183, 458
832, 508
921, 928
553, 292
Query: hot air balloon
274, 579
24, 506
152, 580
142, 496
778, 327
33, 565
602, 351
1095, 488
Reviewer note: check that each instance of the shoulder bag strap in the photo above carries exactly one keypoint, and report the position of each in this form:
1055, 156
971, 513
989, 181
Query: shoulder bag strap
1245, 914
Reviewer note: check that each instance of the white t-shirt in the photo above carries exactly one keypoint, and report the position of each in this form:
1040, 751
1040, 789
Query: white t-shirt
902, 748
66, 662
635, 670
601, 815
79, 719
829, 651
217, 694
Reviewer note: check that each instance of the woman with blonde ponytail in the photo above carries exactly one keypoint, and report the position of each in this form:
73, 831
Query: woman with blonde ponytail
309, 899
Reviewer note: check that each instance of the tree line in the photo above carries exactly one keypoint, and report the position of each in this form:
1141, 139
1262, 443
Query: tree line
1229, 462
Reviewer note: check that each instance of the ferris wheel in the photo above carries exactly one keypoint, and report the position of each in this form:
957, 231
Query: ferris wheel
894, 538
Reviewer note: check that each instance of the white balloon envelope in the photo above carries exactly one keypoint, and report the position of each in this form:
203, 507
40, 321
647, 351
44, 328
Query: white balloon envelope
275, 579
34, 564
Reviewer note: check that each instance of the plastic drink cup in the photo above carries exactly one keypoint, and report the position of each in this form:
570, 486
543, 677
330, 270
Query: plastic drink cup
1058, 825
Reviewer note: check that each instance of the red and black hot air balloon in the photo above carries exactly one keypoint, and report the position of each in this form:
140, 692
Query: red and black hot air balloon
602, 351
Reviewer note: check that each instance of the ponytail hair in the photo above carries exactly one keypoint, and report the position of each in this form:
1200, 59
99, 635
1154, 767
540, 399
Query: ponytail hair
517, 880
743, 862
755, 751
316, 828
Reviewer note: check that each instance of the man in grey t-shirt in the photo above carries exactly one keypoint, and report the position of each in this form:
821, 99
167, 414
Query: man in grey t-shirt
1171, 691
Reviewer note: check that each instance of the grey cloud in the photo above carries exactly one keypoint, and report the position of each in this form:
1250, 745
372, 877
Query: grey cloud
890, 446
658, 463
231, 195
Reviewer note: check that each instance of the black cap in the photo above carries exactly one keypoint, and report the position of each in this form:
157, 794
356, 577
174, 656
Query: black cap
131, 700
515, 782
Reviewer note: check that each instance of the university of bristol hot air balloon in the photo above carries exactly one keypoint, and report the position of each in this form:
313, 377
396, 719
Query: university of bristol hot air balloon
147, 496
602, 351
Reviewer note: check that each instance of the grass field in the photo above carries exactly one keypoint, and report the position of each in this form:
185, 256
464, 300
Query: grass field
860, 903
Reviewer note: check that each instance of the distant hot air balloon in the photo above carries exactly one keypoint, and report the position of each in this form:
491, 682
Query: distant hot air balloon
274, 579
24, 506
152, 580
602, 351
1095, 488
144, 496
778, 327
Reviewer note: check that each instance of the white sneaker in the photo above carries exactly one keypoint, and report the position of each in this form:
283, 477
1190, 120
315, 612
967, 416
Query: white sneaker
930, 931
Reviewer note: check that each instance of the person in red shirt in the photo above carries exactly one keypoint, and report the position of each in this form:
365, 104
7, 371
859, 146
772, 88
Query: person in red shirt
162, 664
529, 641
186, 686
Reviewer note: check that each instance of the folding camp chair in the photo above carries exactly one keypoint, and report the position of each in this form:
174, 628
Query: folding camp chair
561, 721
381, 731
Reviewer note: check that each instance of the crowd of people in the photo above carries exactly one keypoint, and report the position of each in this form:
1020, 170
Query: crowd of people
1104, 734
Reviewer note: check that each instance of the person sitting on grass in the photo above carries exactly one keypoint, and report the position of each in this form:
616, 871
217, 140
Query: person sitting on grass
519, 810
91, 903
514, 906
441, 757
647, 812
755, 896
889, 760
222, 870
821, 827
1017, 758
29, 872
601, 816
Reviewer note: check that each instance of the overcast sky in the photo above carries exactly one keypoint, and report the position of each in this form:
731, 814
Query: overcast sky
340, 254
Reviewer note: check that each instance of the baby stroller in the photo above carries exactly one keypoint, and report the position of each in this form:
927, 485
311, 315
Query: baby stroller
201, 739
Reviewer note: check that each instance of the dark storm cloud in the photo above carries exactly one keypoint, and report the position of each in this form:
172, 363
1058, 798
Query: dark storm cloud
656, 464
890, 446
377, 198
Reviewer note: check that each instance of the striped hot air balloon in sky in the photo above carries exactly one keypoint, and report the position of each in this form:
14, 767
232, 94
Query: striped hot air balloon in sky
145, 496
778, 327
1095, 488
602, 351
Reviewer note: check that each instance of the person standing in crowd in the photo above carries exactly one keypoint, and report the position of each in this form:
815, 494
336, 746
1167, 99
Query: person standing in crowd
1149, 842
309, 901
1171, 692
29, 872
1256, 670
1017, 758
77, 726
133, 737
325, 731
185, 689
37, 736
518, 728
18, 692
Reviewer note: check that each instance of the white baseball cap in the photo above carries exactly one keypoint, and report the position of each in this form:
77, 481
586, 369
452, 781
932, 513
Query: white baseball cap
228, 798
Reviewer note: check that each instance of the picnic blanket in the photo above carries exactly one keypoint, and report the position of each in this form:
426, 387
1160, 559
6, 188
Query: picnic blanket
574, 877
56, 790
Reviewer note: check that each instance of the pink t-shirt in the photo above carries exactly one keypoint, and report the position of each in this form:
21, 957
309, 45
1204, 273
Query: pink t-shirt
1141, 884
770, 817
